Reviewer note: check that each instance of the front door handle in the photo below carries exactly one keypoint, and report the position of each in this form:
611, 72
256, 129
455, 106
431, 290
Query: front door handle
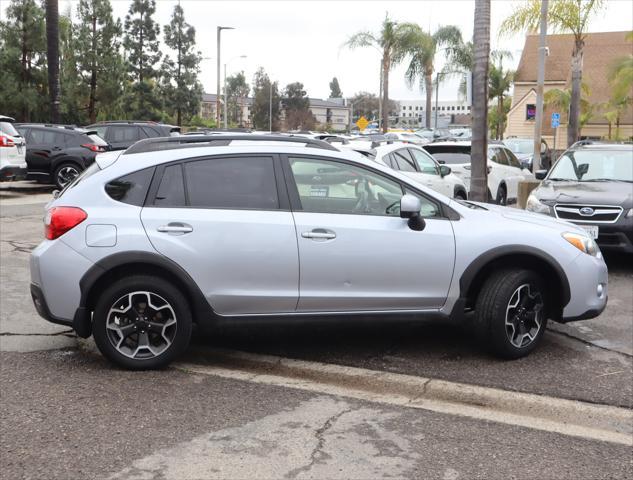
175, 228
319, 234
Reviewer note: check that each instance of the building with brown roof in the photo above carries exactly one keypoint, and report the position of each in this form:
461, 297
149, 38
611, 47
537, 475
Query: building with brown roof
601, 50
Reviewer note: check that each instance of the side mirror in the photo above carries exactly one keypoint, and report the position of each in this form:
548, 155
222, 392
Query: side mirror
540, 174
410, 208
444, 170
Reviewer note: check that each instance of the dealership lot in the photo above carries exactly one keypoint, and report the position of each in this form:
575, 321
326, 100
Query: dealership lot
178, 423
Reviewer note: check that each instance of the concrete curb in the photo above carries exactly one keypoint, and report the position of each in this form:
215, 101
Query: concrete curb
569, 417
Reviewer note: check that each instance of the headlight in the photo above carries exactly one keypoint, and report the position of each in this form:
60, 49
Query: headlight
582, 242
535, 205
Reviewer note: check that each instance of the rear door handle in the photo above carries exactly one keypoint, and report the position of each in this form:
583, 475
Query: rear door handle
319, 234
175, 228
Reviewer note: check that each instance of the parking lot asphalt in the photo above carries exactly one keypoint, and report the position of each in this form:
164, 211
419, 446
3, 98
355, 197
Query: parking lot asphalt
68, 414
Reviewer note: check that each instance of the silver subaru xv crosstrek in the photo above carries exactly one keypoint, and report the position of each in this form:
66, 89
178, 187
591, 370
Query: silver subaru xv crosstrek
194, 230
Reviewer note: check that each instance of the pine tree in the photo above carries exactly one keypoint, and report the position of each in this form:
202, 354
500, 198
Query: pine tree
262, 101
297, 107
143, 52
335, 89
98, 55
183, 91
23, 62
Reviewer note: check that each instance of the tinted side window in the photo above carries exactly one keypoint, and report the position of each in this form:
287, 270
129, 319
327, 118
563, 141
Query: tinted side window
131, 188
403, 158
513, 161
425, 162
497, 156
232, 183
171, 191
119, 133
151, 132
47, 137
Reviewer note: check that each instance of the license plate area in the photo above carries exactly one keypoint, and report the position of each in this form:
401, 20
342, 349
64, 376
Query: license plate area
592, 230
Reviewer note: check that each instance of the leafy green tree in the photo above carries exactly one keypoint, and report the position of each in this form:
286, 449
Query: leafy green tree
262, 101
236, 91
296, 106
143, 53
394, 41
366, 105
479, 111
560, 100
73, 90
620, 77
99, 60
183, 91
497, 118
499, 82
335, 89
571, 16
23, 61
422, 64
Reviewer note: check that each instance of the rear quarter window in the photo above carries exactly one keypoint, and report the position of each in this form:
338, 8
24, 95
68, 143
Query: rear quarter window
131, 188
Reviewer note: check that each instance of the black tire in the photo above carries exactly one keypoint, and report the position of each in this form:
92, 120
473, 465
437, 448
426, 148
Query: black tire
494, 305
460, 195
502, 195
65, 173
162, 290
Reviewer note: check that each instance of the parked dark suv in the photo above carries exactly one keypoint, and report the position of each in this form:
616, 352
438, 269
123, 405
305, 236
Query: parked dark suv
58, 153
591, 185
121, 134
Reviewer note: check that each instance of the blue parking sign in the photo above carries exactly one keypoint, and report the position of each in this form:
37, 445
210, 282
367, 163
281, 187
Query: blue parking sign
555, 120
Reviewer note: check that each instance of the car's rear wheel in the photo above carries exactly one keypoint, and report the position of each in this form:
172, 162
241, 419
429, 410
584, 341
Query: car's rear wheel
511, 312
460, 196
142, 322
502, 195
65, 173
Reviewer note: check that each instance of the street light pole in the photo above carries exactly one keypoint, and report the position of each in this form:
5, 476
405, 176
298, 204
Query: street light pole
217, 96
540, 81
270, 108
437, 90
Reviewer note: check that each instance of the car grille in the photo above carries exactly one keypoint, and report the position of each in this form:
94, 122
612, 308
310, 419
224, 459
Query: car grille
588, 213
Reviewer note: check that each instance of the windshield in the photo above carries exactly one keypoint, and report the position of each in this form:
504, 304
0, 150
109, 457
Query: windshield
594, 166
520, 146
8, 129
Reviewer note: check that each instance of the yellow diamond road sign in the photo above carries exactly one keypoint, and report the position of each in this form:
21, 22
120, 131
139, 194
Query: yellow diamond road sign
362, 123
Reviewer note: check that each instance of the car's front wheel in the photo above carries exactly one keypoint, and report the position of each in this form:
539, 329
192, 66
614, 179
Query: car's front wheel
511, 312
142, 322
502, 195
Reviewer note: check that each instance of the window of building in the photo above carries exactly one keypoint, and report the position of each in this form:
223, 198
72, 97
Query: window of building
530, 111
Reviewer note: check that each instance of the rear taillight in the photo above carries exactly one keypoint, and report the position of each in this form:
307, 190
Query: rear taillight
94, 148
6, 141
59, 220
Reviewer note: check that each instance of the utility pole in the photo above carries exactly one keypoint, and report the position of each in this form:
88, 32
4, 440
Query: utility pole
380, 101
226, 123
437, 91
217, 96
538, 123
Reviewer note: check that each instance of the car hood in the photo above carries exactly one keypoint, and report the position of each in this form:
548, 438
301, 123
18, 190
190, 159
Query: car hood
515, 214
586, 193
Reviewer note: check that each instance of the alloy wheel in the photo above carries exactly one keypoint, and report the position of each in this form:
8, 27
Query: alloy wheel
66, 175
524, 316
141, 325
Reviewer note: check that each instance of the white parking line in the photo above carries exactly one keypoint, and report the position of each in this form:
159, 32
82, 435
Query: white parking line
567, 417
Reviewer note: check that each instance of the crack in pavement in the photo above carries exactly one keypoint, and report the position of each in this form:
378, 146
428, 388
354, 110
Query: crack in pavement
588, 342
318, 449
18, 246
65, 333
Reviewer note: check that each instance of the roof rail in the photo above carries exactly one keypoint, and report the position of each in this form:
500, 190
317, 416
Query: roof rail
218, 140
49, 125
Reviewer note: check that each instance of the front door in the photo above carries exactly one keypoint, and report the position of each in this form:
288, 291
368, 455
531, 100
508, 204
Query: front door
223, 220
356, 253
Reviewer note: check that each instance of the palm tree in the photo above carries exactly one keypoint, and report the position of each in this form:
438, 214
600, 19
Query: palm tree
499, 82
394, 41
52, 54
621, 81
422, 64
560, 99
481, 58
563, 16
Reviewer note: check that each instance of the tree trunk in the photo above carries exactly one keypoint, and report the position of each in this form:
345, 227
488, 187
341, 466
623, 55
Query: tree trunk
479, 148
92, 113
500, 118
573, 128
386, 66
428, 88
25, 71
52, 53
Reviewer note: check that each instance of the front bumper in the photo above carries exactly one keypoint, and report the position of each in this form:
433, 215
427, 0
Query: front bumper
588, 284
13, 172
616, 236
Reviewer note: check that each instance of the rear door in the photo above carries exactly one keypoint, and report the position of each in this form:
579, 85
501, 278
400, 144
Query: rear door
356, 253
42, 145
226, 221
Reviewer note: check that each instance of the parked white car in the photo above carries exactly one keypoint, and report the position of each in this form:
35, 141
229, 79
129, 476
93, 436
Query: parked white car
504, 169
415, 163
12, 151
406, 137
